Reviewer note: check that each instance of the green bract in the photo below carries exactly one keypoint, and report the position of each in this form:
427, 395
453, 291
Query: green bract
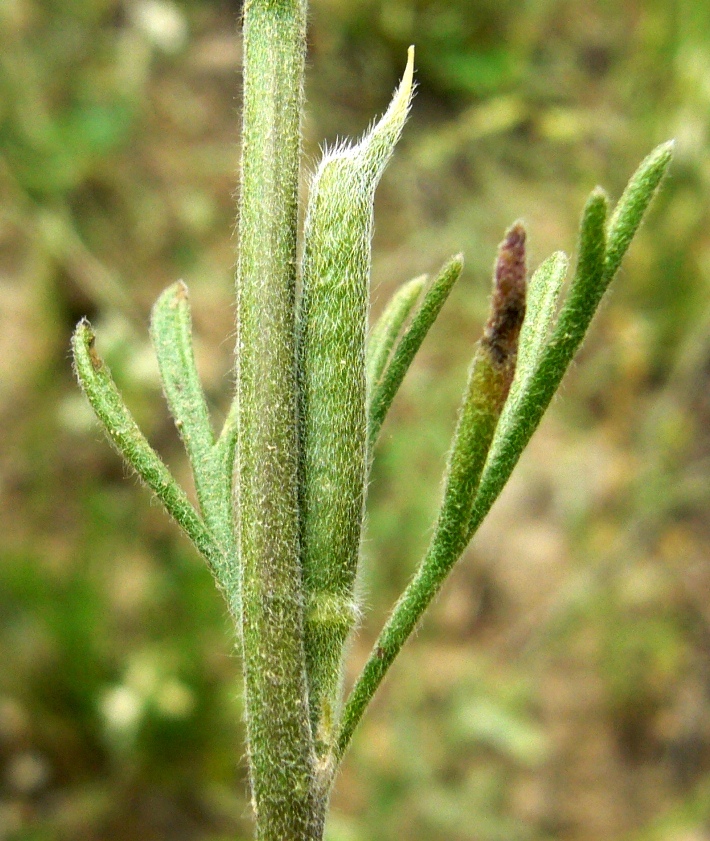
331, 333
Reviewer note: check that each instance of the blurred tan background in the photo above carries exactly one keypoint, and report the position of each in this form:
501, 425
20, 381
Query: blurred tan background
560, 687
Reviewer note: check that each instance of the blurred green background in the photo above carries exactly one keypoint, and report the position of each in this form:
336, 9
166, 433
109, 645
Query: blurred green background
560, 687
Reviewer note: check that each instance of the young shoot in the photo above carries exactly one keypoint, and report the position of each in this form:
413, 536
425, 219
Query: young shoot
281, 490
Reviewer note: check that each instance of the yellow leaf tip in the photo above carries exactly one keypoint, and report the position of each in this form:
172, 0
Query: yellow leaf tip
405, 88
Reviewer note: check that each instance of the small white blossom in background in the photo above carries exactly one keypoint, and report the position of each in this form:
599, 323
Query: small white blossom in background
122, 709
146, 691
162, 23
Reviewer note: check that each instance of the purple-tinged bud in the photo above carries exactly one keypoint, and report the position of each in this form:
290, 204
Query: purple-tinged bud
502, 329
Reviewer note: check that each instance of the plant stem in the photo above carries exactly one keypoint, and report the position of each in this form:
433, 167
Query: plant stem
281, 754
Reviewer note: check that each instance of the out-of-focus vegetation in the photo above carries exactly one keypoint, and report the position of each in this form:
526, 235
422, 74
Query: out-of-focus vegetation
561, 686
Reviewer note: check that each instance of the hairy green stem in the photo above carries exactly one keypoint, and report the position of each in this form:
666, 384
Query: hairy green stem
280, 744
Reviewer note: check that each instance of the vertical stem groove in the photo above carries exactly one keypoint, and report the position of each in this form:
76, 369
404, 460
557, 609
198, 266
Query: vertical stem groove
281, 754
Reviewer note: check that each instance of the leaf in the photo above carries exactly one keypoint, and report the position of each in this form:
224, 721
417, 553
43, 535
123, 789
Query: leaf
385, 333
489, 379
543, 294
544, 362
113, 414
384, 390
632, 205
553, 360
171, 333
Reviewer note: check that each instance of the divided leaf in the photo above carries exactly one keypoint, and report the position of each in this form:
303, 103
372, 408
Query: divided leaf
543, 362
553, 358
602, 247
97, 383
489, 380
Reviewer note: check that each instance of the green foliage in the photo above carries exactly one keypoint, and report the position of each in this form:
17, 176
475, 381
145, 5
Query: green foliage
385, 333
403, 348
489, 381
113, 414
211, 461
328, 576
469, 491
297, 445
160, 210
288, 570
601, 248
97, 586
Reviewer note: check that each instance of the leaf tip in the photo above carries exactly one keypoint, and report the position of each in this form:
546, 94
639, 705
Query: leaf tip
172, 297
399, 108
180, 290
83, 344
666, 150
83, 330
377, 145
599, 194
83, 340
408, 77
659, 160
559, 258
450, 273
